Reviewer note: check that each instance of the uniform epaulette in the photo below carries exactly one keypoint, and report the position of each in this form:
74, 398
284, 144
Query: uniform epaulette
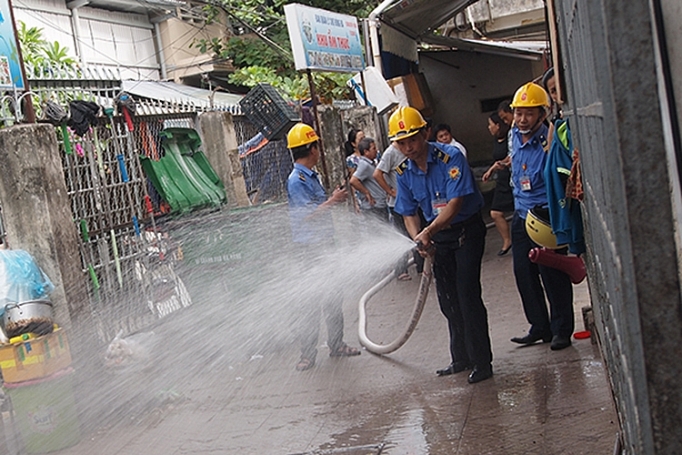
301, 176
444, 157
543, 142
401, 167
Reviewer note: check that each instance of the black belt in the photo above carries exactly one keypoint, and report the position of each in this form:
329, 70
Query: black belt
471, 220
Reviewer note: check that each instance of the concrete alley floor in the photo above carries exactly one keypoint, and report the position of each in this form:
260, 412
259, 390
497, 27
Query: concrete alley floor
538, 402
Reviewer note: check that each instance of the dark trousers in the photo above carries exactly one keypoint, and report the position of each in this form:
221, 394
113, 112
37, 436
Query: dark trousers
530, 280
457, 269
315, 302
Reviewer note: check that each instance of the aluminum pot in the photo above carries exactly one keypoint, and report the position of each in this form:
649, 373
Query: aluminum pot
25, 311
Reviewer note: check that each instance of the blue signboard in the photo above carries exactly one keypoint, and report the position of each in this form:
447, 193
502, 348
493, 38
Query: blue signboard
323, 40
11, 74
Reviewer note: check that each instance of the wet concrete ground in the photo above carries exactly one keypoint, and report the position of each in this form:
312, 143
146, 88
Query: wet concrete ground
538, 402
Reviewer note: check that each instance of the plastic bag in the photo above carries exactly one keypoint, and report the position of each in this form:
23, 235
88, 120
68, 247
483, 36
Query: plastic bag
21, 279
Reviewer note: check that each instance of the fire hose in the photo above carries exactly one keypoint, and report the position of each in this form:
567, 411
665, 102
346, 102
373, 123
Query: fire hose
423, 292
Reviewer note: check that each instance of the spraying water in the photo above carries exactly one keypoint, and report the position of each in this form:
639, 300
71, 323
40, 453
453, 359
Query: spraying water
250, 285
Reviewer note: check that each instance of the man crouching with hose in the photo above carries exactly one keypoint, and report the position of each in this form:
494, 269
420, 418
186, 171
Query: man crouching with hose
438, 179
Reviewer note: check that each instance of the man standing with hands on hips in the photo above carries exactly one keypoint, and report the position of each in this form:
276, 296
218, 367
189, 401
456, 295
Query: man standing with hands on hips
437, 179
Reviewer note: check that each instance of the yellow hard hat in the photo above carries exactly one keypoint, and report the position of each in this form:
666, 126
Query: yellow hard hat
301, 134
539, 230
405, 122
530, 95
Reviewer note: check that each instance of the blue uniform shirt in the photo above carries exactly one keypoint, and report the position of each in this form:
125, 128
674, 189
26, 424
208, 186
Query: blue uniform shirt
305, 194
448, 176
528, 162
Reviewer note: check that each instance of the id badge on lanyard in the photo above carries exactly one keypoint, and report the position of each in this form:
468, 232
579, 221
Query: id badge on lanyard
438, 204
525, 180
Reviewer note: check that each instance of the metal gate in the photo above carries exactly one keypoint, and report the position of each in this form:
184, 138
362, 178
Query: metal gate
128, 264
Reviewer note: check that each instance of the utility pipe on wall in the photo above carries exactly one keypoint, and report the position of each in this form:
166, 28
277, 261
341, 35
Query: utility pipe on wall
159, 45
373, 20
76, 27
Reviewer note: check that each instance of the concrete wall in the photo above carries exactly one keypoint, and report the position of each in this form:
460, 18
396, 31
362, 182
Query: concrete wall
459, 81
335, 126
219, 143
117, 40
617, 107
181, 59
672, 25
500, 18
332, 142
37, 213
366, 119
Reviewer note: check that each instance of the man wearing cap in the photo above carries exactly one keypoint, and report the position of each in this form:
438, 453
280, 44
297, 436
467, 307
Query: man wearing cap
312, 229
528, 159
437, 179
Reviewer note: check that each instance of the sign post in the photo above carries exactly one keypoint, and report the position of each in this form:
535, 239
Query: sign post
12, 74
323, 41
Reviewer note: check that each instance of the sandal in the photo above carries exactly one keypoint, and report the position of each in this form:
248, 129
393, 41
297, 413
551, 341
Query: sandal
404, 277
305, 364
344, 351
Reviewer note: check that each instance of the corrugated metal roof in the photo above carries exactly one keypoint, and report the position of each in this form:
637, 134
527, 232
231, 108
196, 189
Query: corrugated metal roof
178, 93
131, 6
418, 17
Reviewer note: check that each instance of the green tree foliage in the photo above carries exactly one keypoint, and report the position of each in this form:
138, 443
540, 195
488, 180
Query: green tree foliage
40, 54
258, 61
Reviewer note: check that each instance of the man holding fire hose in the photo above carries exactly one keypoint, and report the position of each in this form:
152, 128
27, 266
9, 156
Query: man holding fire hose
438, 179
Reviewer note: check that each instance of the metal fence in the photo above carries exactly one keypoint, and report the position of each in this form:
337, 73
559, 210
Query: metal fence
265, 169
128, 263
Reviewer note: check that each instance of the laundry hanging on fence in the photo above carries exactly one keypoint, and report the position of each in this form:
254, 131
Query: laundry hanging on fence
83, 114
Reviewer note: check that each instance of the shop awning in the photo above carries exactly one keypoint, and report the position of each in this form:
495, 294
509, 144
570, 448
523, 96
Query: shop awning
416, 18
409, 24
530, 50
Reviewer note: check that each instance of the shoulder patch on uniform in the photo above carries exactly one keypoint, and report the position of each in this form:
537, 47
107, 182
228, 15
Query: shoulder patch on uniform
543, 142
301, 176
454, 173
444, 157
401, 168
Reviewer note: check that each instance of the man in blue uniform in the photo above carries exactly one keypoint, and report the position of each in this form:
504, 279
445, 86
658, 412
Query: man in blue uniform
312, 230
437, 179
528, 159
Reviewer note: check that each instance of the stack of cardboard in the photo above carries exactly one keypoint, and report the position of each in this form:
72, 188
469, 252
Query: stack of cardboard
412, 90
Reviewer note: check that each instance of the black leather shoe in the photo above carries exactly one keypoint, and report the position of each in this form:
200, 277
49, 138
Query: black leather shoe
559, 342
530, 339
455, 367
504, 251
479, 374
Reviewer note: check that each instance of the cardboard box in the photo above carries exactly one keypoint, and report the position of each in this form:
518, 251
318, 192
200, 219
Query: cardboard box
36, 358
412, 90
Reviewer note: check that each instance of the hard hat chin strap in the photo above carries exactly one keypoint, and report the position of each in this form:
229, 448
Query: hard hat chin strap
535, 126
